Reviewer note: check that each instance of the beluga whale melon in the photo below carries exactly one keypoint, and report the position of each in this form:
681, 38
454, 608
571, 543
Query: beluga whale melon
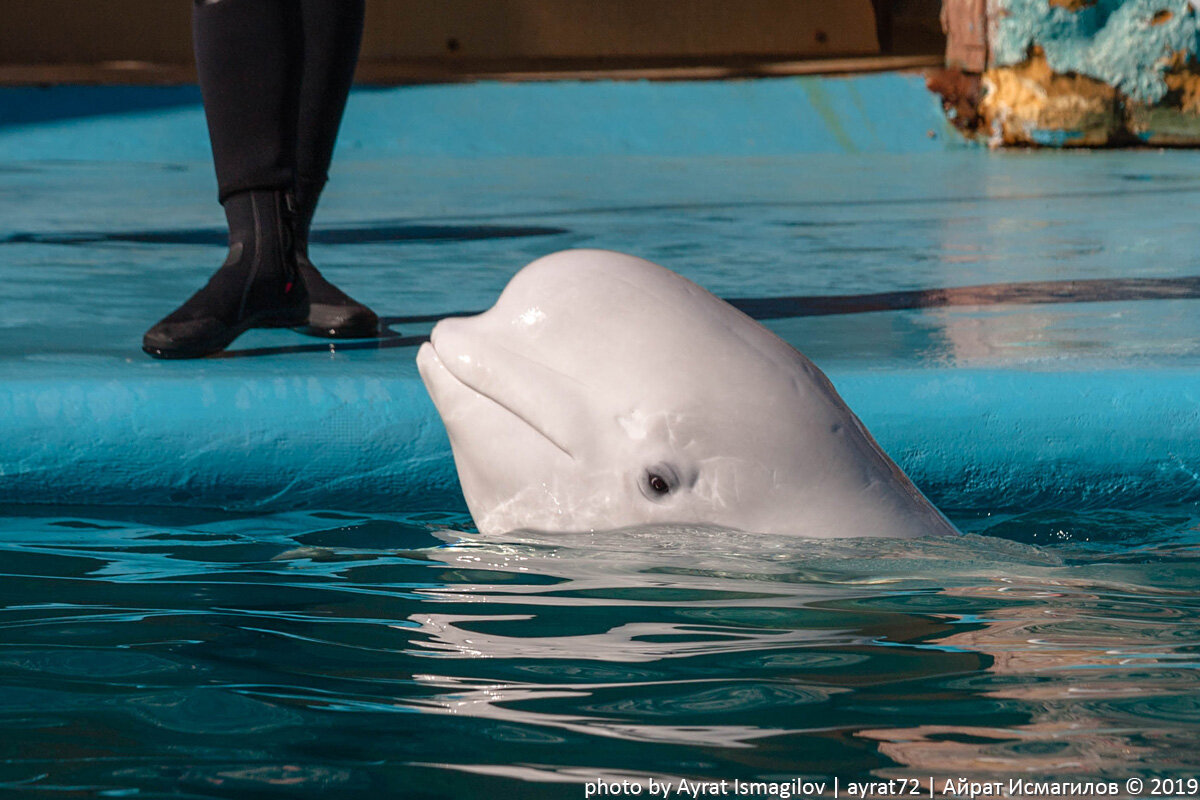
603, 391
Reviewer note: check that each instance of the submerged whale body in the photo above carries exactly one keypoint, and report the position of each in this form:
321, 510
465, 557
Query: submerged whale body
603, 391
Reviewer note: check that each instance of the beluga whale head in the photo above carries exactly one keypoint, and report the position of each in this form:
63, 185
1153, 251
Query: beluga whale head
602, 391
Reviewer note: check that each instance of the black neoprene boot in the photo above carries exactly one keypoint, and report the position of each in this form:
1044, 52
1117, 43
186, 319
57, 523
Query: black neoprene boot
331, 312
259, 285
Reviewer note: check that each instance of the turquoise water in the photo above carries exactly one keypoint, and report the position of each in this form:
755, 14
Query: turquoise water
193, 654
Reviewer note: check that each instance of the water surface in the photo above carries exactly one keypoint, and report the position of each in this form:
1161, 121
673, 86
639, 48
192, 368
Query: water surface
185, 653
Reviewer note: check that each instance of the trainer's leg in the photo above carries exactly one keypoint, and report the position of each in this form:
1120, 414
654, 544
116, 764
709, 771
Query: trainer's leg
332, 36
248, 56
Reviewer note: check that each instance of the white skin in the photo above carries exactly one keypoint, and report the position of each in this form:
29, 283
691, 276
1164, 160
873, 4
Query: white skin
603, 391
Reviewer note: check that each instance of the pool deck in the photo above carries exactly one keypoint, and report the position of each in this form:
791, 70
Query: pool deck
837, 210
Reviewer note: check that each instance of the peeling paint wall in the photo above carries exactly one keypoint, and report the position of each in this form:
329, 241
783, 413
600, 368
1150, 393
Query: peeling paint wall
1091, 72
1031, 103
1128, 44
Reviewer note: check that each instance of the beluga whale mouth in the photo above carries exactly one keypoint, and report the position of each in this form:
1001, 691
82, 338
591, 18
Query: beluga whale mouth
463, 366
602, 391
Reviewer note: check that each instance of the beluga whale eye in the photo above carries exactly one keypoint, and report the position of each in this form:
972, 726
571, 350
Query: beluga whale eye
658, 481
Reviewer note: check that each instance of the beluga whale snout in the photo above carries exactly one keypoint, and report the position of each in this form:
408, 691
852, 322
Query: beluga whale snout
603, 391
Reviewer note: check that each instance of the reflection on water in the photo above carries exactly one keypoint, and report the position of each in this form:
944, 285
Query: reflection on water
214, 655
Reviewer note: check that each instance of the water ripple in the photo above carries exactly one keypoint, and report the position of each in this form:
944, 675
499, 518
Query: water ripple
214, 654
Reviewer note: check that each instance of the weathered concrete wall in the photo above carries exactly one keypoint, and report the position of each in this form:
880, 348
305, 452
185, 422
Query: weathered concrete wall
1083, 72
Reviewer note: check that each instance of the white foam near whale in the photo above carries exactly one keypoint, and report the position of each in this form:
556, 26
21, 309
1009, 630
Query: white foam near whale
603, 391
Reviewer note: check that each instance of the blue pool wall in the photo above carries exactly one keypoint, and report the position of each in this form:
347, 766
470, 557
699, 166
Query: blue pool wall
886, 112
98, 422
990, 439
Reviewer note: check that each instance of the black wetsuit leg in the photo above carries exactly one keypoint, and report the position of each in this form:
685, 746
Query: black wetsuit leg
250, 61
251, 57
332, 37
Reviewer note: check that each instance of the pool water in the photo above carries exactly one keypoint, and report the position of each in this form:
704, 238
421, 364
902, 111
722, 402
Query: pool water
153, 652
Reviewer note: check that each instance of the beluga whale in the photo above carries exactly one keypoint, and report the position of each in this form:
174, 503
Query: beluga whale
603, 391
